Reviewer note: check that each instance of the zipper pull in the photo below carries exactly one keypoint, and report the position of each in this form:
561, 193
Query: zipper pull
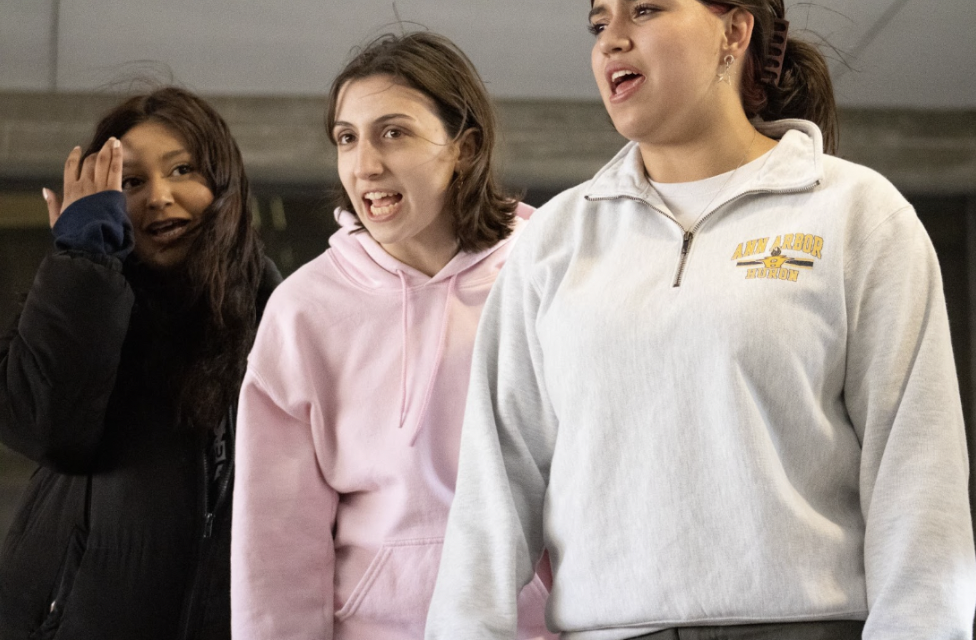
686, 243
208, 526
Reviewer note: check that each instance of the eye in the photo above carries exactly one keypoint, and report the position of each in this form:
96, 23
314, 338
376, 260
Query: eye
130, 182
393, 133
183, 169
642, 10
344, 137
596, 28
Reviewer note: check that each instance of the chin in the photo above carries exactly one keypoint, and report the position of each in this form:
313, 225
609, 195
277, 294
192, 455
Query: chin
163, 263
639, 129
625, 121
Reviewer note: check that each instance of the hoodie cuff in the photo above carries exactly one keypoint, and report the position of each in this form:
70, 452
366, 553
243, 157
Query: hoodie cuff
96, 224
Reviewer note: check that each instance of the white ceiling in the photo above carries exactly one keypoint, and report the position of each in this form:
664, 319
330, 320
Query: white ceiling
902, 53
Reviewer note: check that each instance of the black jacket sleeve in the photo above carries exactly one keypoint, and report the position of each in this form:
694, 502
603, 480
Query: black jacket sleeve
58, 363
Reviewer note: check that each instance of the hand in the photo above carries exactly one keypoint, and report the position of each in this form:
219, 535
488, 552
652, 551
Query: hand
99, 172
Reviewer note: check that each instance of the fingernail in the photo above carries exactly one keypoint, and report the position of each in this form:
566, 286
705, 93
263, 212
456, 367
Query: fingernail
47, 196
115, 143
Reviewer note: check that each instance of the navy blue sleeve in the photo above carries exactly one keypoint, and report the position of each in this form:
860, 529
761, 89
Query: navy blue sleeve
96, 224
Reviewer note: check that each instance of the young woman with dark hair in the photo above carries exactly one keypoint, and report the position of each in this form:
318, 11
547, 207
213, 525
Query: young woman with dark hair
715, 382
120, 378
352, 403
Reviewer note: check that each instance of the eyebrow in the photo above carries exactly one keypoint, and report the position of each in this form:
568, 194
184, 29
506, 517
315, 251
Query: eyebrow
381, 120
596, 11
602, 10
169, 155
166, 157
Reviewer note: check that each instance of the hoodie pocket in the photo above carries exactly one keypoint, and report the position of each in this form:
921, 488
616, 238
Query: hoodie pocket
398, 584
63, 583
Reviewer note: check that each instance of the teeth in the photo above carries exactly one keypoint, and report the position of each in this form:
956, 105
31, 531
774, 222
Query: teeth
167, 230
617, 75
377, 195
164, 225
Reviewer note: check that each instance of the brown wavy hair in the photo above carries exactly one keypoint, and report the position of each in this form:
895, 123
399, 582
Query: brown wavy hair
805, 89
482, 212
219, 279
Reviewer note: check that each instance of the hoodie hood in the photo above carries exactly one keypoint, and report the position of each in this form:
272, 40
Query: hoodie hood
367, 265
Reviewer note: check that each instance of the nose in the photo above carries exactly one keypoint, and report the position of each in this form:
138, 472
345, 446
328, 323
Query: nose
615, 37
369, 161
158, 195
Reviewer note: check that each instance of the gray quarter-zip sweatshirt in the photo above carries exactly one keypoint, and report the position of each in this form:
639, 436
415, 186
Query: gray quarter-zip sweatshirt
754, 421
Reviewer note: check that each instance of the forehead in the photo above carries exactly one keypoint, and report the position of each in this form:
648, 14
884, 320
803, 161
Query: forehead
600, 7
152, 139
381, 95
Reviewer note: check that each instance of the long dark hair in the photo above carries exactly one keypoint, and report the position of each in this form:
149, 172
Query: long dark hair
483, 214
220, 277
804, 89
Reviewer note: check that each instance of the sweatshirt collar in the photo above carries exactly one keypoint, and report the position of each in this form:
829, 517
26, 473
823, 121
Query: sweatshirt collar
795, 164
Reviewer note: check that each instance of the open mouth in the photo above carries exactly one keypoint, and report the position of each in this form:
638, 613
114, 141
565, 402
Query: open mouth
167, 230
623, 80
382, 204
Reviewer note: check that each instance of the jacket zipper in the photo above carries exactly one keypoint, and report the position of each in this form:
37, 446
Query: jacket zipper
209, 515
689, 236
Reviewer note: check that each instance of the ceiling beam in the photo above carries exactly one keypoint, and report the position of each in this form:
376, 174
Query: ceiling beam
543, 144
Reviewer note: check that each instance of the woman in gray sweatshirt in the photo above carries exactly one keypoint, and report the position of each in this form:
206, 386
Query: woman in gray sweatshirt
715, 381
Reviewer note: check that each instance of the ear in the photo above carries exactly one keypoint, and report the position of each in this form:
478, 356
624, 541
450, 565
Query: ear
738, 32
468, 144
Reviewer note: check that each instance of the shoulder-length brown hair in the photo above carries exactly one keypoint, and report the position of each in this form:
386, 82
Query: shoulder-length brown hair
482, 213
223, 267
804, 89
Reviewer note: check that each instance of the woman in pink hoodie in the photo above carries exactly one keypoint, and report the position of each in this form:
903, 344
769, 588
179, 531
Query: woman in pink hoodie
352, 404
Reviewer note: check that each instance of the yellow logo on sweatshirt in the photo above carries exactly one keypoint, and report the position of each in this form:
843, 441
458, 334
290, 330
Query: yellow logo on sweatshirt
777, 265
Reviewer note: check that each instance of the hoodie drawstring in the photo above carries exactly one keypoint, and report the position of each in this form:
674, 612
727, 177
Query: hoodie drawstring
403, 348
445, 318
437, 360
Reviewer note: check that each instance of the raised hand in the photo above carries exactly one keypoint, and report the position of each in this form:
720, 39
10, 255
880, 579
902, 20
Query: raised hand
98, 172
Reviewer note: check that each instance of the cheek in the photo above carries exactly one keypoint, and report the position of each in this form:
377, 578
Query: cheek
438, 182
597, 67
133, 207
344, 169
200, 198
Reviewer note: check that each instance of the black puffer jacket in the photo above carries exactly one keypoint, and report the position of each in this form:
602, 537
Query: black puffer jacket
122, 532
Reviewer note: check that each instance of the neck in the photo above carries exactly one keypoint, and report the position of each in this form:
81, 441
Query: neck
721, 146
427, 263
426, 256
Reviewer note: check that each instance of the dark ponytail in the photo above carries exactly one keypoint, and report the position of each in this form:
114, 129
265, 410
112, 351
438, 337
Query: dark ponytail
804, 89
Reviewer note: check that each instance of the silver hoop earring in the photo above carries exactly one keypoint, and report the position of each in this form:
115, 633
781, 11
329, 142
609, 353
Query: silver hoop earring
726, 76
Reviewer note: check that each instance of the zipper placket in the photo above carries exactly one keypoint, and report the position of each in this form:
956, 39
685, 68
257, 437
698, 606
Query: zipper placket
209, 515
202, 544
207, 510
689, 236
686, 238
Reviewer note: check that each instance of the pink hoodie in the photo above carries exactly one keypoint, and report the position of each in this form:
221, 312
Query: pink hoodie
347, 444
